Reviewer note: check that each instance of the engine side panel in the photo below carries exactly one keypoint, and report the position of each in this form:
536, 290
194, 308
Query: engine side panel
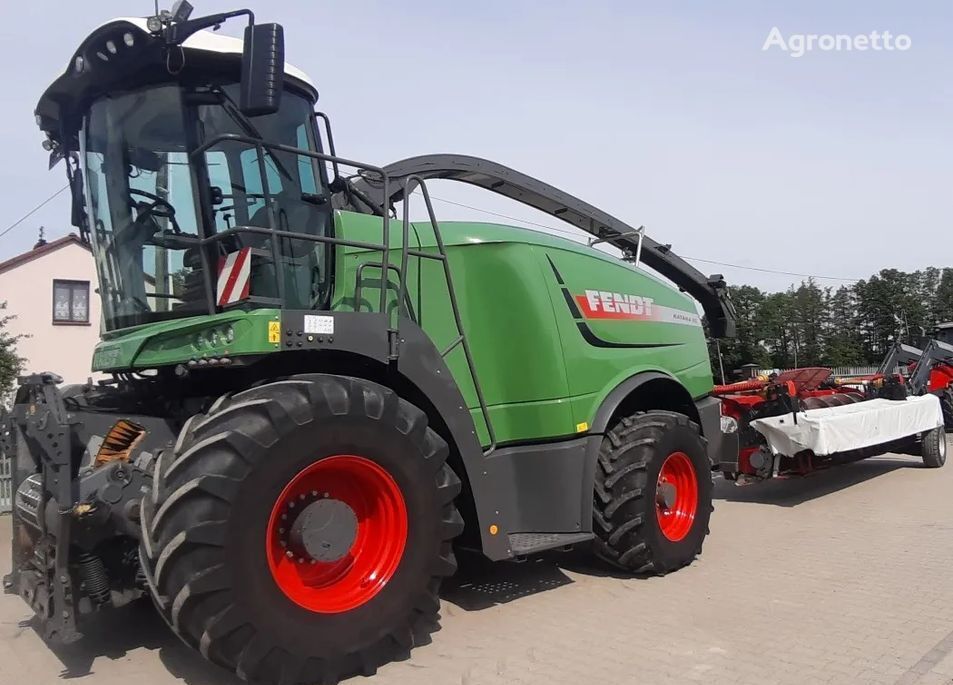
554, 326
617, 321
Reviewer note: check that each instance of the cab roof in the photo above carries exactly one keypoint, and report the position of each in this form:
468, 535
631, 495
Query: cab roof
122, 52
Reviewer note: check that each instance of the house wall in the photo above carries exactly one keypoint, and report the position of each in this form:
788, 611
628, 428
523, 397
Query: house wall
65, 349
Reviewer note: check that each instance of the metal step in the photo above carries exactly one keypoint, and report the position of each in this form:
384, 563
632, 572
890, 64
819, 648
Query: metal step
530, 543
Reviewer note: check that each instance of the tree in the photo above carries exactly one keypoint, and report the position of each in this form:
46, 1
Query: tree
916, 306
852, 326
943, 302
883, 302
746, 346
10, 361
929, 282
809, 321
844, 345
777, 329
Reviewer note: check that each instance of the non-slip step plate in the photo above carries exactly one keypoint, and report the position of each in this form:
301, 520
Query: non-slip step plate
528, 543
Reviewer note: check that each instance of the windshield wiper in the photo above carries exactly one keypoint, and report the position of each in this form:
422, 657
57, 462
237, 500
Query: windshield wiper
239, 118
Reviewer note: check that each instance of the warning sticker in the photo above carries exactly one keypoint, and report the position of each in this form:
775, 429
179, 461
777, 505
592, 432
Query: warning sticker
274, 331
321, 325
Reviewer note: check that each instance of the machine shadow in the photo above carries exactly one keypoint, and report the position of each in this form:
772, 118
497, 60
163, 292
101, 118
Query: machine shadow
790, 492
114, 634
480, 583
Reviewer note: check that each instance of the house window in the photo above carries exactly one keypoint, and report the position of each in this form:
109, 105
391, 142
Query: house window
70, 301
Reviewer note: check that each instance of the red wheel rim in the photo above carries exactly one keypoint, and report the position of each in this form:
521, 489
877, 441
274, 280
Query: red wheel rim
330, 587
676, 499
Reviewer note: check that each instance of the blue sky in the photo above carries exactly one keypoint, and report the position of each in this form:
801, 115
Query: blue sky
664, 114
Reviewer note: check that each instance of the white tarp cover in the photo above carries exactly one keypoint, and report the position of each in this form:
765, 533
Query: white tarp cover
851, 426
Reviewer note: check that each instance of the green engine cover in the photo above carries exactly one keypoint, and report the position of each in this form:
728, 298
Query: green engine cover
554, 326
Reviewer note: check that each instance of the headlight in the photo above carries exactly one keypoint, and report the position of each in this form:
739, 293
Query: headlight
212, 338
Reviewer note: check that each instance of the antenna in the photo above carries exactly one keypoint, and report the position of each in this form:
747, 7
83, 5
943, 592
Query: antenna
157, 8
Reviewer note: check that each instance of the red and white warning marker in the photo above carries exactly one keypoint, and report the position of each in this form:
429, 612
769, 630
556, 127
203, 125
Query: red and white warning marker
234, 277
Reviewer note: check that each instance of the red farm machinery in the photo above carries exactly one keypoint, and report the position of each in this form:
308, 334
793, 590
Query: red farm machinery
805, 419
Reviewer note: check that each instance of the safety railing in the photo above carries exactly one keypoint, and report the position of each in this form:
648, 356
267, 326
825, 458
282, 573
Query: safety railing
384, 247
441, 256
272, 229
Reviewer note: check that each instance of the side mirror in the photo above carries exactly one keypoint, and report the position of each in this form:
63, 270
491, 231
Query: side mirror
78, 200
263, 69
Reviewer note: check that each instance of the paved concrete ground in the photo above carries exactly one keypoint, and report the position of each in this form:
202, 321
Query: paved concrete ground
843, 577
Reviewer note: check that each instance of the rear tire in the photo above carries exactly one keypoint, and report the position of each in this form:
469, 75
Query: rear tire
933, 448
653, 491
946, 404
210, 527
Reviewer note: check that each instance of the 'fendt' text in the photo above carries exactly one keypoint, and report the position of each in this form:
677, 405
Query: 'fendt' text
617, 303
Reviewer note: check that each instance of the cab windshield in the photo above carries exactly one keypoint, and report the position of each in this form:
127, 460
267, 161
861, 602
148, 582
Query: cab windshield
151, 202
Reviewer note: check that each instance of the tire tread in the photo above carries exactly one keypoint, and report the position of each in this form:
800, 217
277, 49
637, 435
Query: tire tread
621, 479
237, 430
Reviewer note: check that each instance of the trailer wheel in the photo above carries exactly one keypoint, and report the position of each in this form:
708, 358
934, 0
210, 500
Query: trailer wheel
300, 530
946, 403
653, 490
933, 447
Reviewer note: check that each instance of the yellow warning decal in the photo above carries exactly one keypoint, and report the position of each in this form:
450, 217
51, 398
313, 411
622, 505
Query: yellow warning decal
274, 331
582, 427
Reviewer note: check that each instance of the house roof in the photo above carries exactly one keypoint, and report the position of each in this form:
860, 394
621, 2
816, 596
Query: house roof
37, 252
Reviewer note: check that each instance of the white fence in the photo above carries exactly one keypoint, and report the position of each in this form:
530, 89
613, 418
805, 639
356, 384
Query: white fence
854, 370
836, 370
6, 484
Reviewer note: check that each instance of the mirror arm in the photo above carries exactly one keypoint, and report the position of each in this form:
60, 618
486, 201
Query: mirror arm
79, 218
177, 33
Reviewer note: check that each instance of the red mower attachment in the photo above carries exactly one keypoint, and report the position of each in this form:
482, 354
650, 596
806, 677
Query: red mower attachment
788, 392
757, 409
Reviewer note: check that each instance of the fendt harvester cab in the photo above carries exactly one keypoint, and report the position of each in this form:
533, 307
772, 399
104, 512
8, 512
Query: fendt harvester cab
311, 400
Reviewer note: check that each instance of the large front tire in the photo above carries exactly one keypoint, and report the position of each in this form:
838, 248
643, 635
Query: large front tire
352, 594
653, 492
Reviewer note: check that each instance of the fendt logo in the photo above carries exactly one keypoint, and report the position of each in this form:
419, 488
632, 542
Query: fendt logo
599, 304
